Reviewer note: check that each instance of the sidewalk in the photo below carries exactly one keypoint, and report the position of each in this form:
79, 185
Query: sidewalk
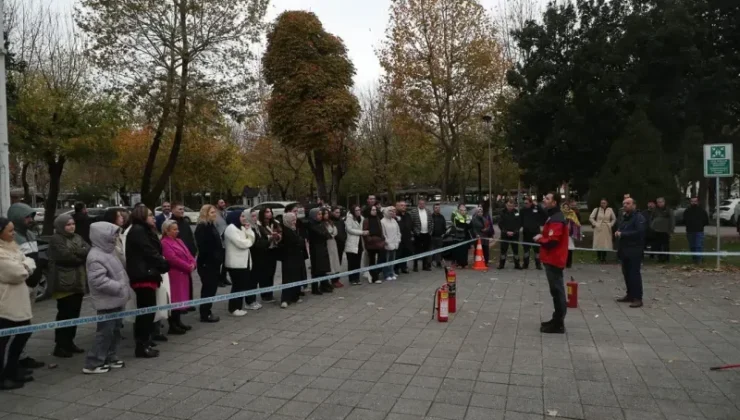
372, 352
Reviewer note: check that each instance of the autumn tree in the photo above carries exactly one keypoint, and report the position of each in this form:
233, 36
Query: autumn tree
161, 53
443, 69
311, 107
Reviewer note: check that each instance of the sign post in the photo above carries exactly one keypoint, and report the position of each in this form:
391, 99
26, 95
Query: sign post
718, 164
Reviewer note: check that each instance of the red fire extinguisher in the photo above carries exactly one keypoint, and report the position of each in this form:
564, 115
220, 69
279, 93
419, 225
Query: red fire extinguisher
572, 288
451, 279
441, 304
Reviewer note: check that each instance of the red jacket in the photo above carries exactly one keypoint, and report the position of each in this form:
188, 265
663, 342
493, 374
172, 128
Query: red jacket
554, 240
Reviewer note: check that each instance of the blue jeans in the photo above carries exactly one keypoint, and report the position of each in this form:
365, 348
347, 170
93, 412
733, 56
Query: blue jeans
696, 244
390, 255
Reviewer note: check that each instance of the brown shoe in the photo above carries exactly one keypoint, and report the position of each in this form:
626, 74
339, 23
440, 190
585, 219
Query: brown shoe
637, 303
625, 299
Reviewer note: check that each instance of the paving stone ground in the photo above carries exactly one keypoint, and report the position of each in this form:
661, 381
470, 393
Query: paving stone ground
372, 352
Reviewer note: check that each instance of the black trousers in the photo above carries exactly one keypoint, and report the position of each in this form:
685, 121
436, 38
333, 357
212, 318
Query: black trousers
557, 291
144, 324
11, 348
569, 262
68, 307
405, 250
505, 250
662, 243
373, 257
461, 254
267, 279
423, 243
354, 261
631, 266
601, 255
239, 283
527, 238
209, 279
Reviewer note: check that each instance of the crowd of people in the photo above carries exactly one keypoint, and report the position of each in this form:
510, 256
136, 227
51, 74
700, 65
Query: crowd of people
138, 260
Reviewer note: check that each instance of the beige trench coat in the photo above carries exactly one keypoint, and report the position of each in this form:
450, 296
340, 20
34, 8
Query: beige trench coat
602, 222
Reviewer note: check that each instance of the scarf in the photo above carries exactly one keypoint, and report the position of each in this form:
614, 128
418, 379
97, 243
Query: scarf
573, 223
571, 215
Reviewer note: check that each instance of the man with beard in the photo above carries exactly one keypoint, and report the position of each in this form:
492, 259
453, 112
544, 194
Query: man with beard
406, 225
631, 234
423, 228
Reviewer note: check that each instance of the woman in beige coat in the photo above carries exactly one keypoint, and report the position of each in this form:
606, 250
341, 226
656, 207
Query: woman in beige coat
602, 219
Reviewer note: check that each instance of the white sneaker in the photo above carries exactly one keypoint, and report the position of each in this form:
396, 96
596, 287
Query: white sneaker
284, 305
388, 278
369, 280
378, 281
97, 370
300, 301
254, 306
395, 277
239, 312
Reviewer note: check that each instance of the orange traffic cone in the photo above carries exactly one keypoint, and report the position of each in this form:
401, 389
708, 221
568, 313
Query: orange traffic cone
479, 264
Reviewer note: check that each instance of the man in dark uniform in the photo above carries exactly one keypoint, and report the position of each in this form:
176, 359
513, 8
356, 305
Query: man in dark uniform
631, 235
532, 221
509, 224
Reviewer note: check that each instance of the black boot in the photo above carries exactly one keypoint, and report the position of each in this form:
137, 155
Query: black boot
556, 327
143, 351
174, 327
501, 264
525, 264
538, 264
517, 266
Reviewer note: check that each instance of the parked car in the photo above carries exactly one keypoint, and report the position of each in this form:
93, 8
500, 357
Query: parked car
191, 216
729, 212
278, 208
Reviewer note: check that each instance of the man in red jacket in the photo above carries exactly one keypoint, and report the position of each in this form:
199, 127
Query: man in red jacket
554, 255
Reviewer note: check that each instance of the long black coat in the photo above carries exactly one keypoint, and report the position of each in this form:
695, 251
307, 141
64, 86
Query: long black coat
293, 253
406, 226
144, 260
317, 236
210, 248
186, 235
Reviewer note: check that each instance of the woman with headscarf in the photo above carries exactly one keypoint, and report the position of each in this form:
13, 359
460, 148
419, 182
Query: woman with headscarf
182, 265
145, 266
238, 239
341, 236
15, 306
331, 246
293, 252
67, 279
271, 230
374, 242
210, 258
354, 248
317, 244
574, 230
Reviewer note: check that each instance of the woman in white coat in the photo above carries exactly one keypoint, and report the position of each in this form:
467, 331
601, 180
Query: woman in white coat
392, 234
602, 219
353, 246
238, 238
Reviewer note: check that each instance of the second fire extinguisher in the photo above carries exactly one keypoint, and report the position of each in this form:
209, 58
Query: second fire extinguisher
441, 304
572, 295
451, 279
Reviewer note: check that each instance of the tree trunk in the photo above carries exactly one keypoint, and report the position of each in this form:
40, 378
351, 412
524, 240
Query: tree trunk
446, 175
56, 167
26, 187
317, 167
150, 199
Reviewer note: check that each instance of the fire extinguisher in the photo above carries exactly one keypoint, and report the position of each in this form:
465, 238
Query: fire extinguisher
572, 288
441, 304
451, 279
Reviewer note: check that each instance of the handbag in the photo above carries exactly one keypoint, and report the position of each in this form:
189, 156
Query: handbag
374, 243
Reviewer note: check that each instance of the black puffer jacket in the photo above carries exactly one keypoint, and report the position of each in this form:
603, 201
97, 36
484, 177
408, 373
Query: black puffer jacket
510, 222
210, 247
532, 219
144, 260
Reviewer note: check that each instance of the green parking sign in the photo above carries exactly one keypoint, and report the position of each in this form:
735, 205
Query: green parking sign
718, 161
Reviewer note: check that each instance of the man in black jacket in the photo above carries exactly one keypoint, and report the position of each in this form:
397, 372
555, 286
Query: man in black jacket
509, 224
423, 228
532, 221
406, 226
696, 219
82, 221
631, 234
438, 231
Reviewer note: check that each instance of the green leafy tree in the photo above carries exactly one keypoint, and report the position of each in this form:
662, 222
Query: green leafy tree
162, 53
311, 107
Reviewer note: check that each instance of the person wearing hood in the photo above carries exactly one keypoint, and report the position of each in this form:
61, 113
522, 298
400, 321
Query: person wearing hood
109, 292
182, 265
22, 216
293, 251
15, 307
145, 266
67, 278
320, 264
210, 258
238, 238
392, 234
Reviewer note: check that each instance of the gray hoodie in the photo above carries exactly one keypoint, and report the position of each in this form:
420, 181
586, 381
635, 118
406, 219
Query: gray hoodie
106, 275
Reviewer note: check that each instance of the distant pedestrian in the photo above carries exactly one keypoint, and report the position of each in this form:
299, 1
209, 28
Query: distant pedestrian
320, 264
270, 229
533, 218
341, 236
461, 229
631, 235
82, 221
439, 229
293, 253
663, 225
478, 227
354, 247
109, 292
374, 242
602, 220
423, 223
650, 238
67, 278
554, 255
406, 227
392, 235
696, 219
574, 230
211, 257
332, 247
510, 224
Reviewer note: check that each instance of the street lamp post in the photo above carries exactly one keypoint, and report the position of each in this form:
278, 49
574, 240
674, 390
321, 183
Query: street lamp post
487, 120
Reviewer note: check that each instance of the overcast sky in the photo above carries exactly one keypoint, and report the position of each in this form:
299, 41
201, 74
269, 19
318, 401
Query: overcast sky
360, 23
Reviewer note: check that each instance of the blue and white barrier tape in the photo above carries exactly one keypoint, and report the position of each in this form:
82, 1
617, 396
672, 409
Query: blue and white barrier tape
219, 298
